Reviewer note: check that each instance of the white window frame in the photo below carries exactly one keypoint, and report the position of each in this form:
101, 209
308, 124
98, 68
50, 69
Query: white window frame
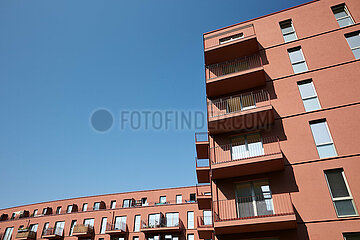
326, 143
113, 204
84, 207
347, 36
190, 220
58, 210
292, 32
69, 209
8, 233
172, 219
178, 199
350, 197
103, 225
161, 200
346, 11
231, 38
298, 62
190, 237
137, 223
72, 226
310, 97
45, 228
96, 206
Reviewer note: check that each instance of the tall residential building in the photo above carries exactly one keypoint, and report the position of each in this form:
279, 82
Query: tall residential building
282, 153
280, 159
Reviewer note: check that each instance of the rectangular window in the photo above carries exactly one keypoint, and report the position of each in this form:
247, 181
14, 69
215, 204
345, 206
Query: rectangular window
84, 207
44, 211
144, 202
288, 30
103, 225
308, 95
231, 38
190, 237
126, 203
13, 215
323, 141
135, 238
154, 220
192, 197
340, 193
178, 199
45, 229
207, 217
69, 208
96, 206
120, 223
33, 227
351, 236
35, 212
163, 199
73, 223
113, 204
137, 223
254, 199
89, 222
297, 60
58, 210
190, 220
8, 233
246, 146
353, 40
59, 228
342, 15
172, 219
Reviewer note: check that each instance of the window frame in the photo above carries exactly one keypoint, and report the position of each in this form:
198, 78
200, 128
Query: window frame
137, 225
58, 210
102, 226
113, 202
286, 34
189, 226
350, 197
231, 38
347, 35
309, 98
298, 62
72, 226
85, 205
346, 10
330, 136
69, 208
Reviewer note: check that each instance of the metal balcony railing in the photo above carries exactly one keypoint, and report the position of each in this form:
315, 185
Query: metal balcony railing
252, 148
83, 229
26, 233
163, 223
260, 206
201, 137
53, 231
238, 103
205, 221
121, 226
233, 66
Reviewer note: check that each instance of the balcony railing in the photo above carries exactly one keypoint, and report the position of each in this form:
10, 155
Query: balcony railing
116, 226
238, 103
241, 150
201, 137
163, 223
261, 206
53, 232
81, 229
25, 234
233, 66
203, 190
205, 221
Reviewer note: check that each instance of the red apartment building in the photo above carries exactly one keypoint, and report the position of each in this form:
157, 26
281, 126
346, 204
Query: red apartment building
280, 159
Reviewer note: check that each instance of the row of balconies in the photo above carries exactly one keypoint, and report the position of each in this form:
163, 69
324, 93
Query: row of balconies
237, 102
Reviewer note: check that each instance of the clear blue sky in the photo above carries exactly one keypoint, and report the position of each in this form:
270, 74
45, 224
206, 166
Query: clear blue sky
62, 59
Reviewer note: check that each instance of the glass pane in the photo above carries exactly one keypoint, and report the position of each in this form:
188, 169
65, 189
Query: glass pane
244, 200
326, 151
307, 90
290, 37
207, 217
247, 101
300, 67
337, 184
345, 208
296, 56
287, 28
238, 149
264, 204
345, 22
255, 145
311, 104
320, 133
352, 236
234, 104
353, 40
356, 53
190, 219
339, 12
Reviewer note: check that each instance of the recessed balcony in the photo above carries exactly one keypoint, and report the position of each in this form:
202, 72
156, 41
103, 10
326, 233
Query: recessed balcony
205, 227
254, 214
203, 196
83, 231
234, 75
202, 170
238, 112
230, 43
202, 145
53, 233
24, 234
116, 229
246, 155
